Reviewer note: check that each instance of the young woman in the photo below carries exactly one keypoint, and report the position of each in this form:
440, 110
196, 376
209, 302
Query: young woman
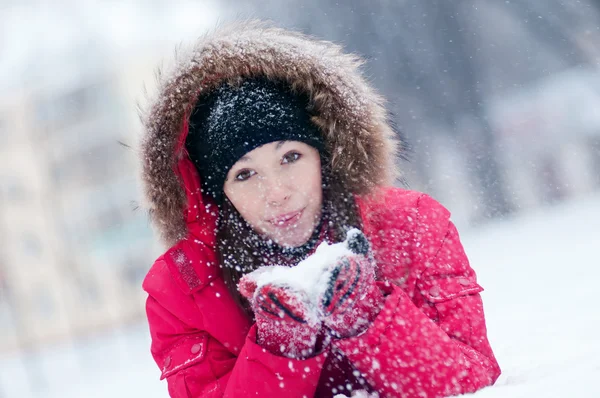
261, 145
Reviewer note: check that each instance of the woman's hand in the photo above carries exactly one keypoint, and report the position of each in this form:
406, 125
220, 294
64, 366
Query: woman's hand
286, 320
351, 298
346, 300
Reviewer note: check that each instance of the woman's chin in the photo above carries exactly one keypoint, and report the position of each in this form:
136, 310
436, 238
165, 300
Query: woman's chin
292, 240
290, 243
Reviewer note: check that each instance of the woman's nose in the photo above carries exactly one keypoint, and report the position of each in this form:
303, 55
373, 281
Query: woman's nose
276, 191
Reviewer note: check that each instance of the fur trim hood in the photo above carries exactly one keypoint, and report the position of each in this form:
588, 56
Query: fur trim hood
350, 113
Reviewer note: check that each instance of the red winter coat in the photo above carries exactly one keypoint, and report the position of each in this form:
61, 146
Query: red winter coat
430, 338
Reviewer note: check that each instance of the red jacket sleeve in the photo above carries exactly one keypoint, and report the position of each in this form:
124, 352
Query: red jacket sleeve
195, 364
435, 343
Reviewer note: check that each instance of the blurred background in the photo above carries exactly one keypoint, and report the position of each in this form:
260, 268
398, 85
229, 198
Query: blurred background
499, 102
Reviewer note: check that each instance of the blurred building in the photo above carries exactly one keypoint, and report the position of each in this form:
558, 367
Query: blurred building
74, 251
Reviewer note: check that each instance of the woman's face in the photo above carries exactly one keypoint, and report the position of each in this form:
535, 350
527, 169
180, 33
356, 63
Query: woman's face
277, 189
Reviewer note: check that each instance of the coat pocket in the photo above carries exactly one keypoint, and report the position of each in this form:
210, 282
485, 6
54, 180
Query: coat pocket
444, 289
188, 351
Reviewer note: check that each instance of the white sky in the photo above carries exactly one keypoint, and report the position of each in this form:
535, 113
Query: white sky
41, 35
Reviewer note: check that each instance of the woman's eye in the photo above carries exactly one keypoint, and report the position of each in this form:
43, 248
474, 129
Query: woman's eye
291, 157
244, 175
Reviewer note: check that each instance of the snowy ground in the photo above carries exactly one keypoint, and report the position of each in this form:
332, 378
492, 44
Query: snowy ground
541, 273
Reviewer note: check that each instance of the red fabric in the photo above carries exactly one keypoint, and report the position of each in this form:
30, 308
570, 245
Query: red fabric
429, 339
356, 299
292, 334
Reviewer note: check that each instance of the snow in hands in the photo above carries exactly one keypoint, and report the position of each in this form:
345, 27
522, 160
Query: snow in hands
312, 276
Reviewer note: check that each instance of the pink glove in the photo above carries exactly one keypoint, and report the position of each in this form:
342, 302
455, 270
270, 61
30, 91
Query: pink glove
286, 322
351, 300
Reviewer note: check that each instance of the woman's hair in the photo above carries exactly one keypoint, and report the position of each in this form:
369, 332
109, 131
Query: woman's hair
241, 250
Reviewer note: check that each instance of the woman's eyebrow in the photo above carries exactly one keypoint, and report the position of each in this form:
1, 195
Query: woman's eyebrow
279, 144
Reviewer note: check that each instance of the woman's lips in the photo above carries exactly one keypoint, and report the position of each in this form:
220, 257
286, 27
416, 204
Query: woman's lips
286, 219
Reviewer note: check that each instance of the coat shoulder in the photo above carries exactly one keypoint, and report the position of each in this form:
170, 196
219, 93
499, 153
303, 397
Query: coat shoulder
157, 276
406, 228
401, 208
187, 266
169, 290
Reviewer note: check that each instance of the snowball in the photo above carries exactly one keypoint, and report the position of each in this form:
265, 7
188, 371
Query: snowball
311, 274
358, 394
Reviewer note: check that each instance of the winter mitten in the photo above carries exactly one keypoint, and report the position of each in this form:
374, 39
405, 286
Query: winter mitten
351, 298
286, 322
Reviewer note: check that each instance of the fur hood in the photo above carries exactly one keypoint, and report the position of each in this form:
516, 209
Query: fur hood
350, 113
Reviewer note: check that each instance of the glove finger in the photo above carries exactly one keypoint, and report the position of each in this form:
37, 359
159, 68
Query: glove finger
357, 242
352, 286
282, 303
337, 285
342, 285
349, 281
248, 283
247, 286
